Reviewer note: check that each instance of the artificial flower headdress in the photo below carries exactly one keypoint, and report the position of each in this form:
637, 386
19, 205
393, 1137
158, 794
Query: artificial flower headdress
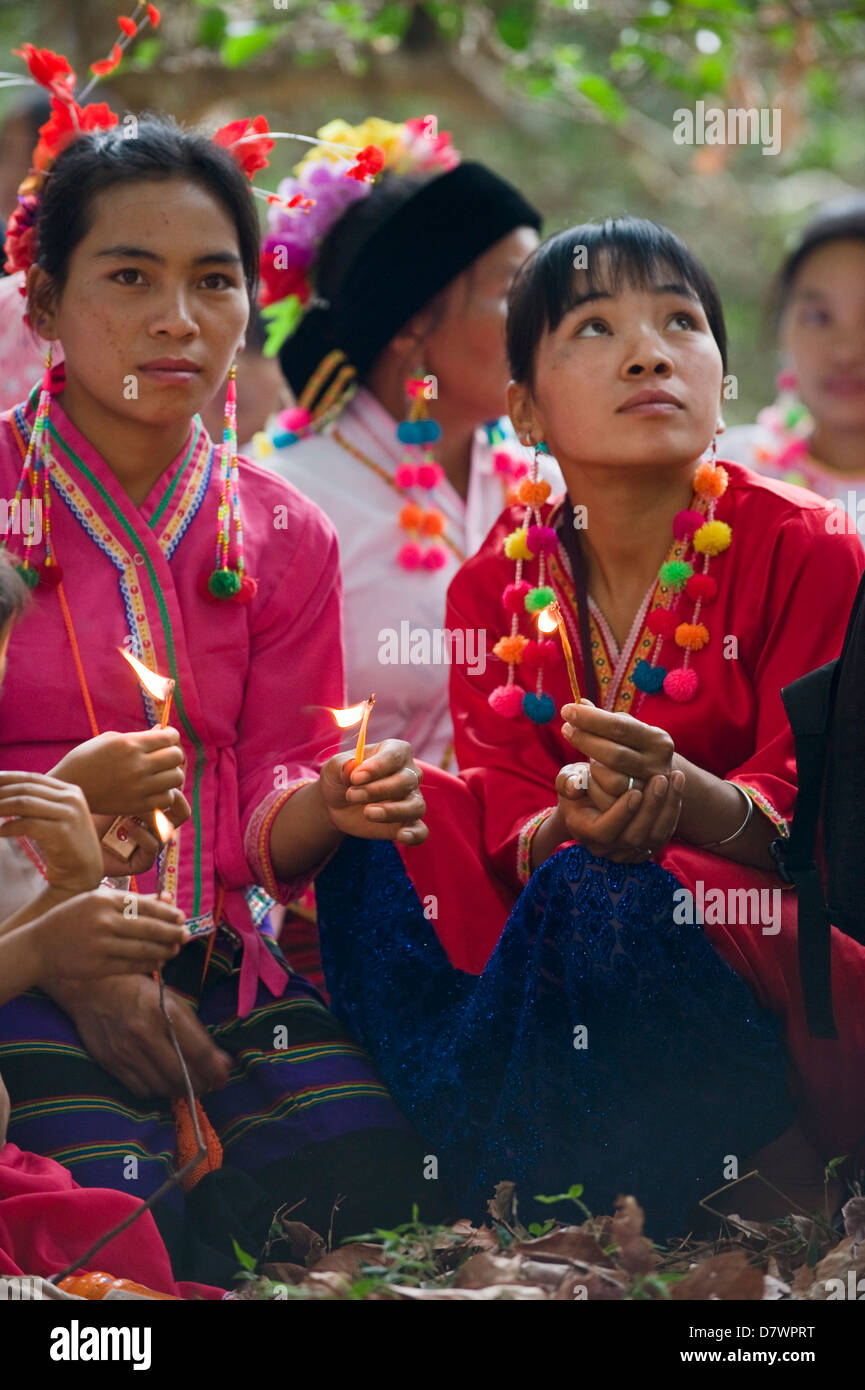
249, 141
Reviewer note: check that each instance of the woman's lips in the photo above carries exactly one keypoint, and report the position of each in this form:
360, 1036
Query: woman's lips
171, 372
651, 401
844, 386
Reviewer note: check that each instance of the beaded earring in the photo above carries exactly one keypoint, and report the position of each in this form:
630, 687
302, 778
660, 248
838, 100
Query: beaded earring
697, 528
421, 478
527, 541
229, 582
35, 477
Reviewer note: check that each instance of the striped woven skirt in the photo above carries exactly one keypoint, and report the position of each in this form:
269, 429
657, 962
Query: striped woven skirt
305, 1120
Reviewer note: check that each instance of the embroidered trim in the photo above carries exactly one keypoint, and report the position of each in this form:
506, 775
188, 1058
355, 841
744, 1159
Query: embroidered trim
257, 839
528, 830
764, 804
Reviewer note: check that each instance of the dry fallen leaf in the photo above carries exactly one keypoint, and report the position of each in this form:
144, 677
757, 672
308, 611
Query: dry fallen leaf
349, 1259
568, 1243
484, 1269
501, 1207
299, 1244
854, 1219
635, 1252
726, 1277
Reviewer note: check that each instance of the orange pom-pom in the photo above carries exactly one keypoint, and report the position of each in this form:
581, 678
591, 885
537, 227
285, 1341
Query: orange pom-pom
711, 481
510, 648
533, 494
694, 636
433, 523
411, 516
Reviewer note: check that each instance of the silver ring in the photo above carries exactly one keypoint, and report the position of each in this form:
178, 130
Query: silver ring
630, 784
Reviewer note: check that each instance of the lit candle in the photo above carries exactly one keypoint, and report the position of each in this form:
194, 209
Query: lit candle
549, 619
347, 718
116, 837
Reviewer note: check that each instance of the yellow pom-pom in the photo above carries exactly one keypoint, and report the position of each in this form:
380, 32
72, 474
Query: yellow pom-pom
262, 444
712, 537
694, 636
510, 648
533, 494
711, 480
516, 546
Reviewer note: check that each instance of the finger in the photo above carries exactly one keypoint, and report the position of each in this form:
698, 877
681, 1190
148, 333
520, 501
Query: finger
180, 810
610, 826
668, 819
53, 803
412, 807
617, 757
613, 783
41, 779
155, 738
413, 834
137, 957
615, 727
643, 833
147, 905
393, 788
162, 760
388, 757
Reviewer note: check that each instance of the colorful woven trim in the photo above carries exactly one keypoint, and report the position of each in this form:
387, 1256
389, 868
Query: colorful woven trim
528, 831
257, 838
763, 804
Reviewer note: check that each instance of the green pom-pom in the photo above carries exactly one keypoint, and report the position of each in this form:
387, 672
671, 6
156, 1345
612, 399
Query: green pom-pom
29, 575
536, 599
224, 583
676, 574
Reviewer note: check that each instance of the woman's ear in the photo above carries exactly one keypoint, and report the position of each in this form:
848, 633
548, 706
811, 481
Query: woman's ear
42, 302
521, 409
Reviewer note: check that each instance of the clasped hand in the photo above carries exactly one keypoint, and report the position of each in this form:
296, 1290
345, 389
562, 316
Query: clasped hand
379, 799
616, 818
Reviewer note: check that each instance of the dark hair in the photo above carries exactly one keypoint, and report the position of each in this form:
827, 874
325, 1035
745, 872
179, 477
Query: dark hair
843, 219
619, 250
360, 221
160, 149
14, 593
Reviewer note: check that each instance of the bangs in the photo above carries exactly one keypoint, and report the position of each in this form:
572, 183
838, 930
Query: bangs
601, 258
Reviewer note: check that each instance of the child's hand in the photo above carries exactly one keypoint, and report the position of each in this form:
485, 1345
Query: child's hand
143, 835
379, 799
105, 933
126, 774
55, 815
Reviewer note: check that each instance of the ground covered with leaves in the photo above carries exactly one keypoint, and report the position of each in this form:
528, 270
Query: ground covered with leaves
605, 1258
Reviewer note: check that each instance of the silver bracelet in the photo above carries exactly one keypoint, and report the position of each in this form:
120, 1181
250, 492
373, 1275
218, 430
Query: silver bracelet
716, 844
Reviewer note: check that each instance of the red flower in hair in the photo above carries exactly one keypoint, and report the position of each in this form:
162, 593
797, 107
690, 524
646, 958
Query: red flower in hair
106, 65
254, 153
153, 15
20, 244
49, 69
370, 161
127, 25
68, 120
277, 284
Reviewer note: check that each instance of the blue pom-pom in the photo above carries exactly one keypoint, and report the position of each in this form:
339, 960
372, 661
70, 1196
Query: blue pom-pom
281, 441
649, 679
409, 431
430, 431
539, 708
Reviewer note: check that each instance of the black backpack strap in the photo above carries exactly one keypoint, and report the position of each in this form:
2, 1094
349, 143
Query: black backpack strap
809, 703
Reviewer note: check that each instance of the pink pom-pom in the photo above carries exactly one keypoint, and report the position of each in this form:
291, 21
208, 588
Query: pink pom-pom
410, 556
503, 463
296, 418
506, 700
430, 475
702, 586
405, 475
247, 591
541, 538
520, 470
685, 523
681, 685
540, 654
435, 558
786, 380
514, 597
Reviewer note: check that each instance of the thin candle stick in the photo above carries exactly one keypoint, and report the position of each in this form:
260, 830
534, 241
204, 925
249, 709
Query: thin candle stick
360, 747
166, 708
566, 648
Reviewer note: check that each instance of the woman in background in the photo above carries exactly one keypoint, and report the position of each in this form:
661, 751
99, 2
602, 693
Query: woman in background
814, 434
411, 276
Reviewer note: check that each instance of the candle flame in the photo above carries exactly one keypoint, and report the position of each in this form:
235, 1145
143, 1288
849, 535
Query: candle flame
160, 687
547, 620
346, 718
165, 828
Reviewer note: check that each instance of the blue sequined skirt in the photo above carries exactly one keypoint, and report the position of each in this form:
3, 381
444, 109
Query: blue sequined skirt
604, 1043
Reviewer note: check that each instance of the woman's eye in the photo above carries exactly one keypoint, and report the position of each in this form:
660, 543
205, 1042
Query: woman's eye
217, 281
684, 320
592, 328
815, 317
128, 276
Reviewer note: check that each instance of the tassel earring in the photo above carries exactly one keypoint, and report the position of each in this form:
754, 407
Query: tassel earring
227, 581
422, 521
35, 479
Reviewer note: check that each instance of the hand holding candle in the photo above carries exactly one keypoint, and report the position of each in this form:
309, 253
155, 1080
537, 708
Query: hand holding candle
382, 800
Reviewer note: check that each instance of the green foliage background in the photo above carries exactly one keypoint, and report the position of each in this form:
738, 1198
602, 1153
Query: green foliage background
571, 99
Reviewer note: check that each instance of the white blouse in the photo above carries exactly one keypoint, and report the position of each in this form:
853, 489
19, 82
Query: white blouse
395, 642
